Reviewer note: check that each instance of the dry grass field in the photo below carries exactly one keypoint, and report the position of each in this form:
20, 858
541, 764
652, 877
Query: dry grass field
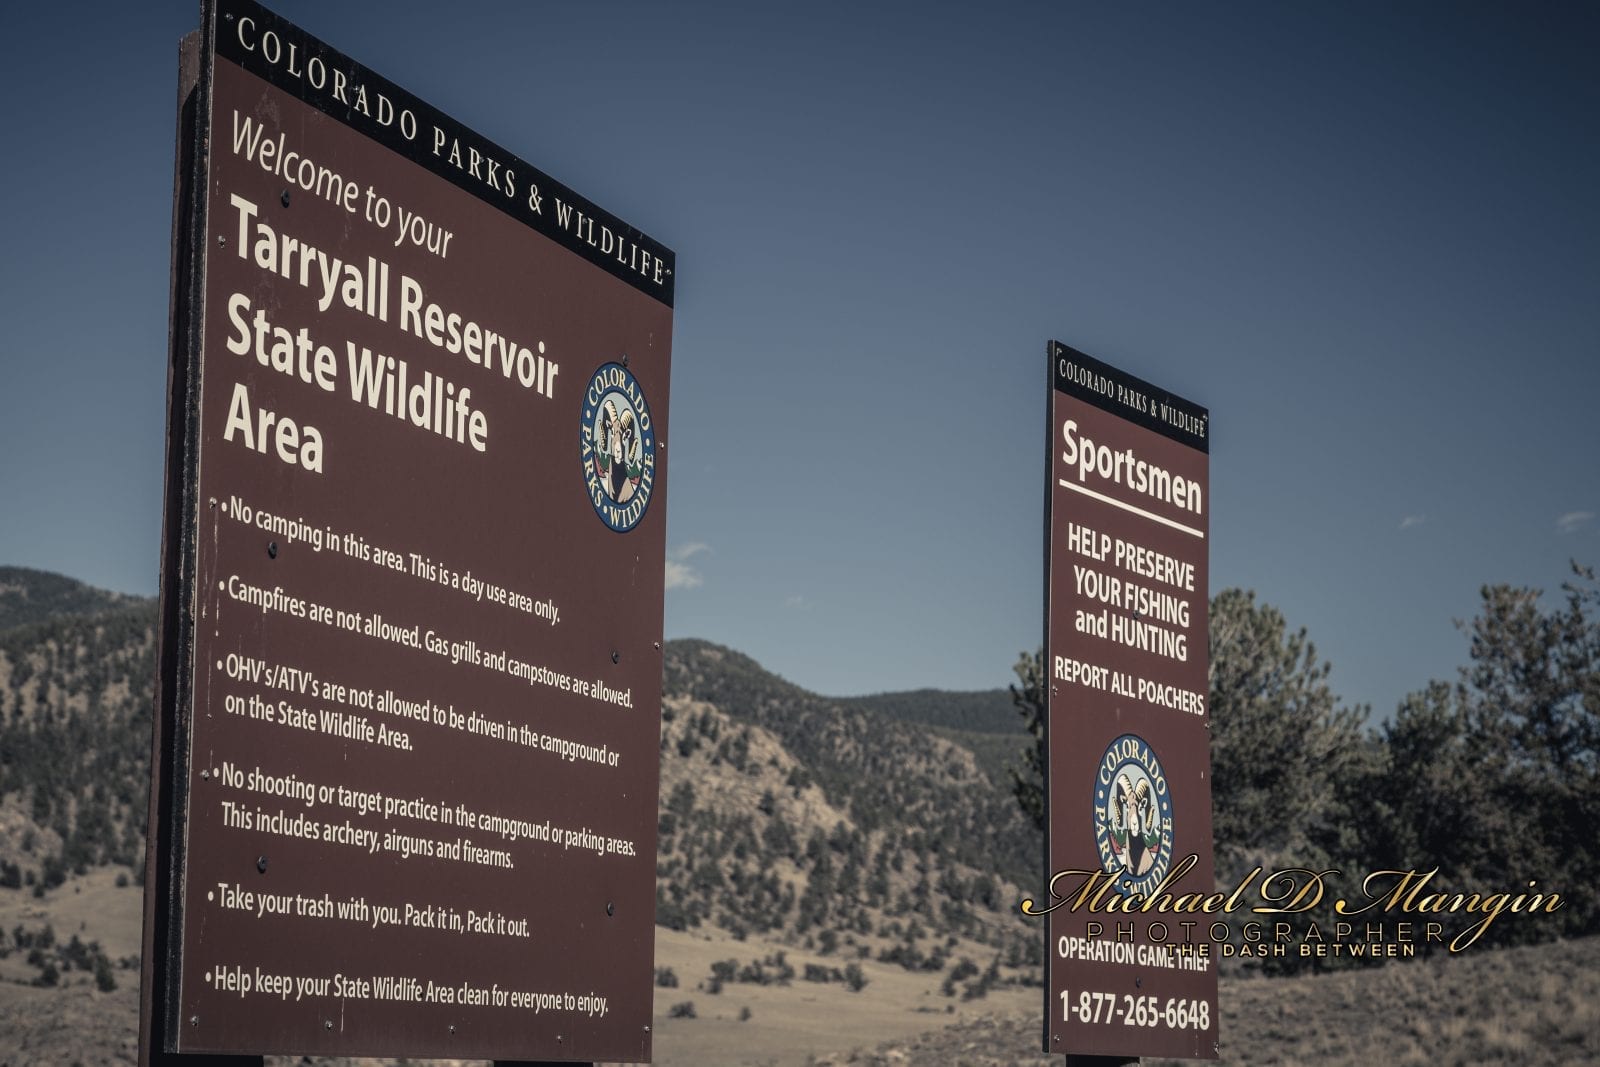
1521, 1006
803, 1021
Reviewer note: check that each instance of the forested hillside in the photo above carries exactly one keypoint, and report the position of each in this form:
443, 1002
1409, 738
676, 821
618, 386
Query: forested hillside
30, 596
888, 824
75, 700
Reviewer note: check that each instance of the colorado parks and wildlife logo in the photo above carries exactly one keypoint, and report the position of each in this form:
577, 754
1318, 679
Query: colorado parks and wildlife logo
1132, 814
619, 447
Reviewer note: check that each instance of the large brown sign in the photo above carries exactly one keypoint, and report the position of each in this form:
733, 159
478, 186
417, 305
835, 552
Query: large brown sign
1127, 780
412, 597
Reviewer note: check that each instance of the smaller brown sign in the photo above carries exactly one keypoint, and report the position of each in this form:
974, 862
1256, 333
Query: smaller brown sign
1128, 793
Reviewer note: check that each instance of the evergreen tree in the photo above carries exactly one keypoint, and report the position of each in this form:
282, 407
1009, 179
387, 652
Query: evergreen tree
1495, 780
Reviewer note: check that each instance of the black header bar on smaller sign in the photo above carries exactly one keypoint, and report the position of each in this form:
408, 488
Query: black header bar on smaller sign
1134, 399
292, 60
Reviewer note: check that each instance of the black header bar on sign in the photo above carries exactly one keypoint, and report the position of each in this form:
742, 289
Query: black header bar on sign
1134, 399
292, 60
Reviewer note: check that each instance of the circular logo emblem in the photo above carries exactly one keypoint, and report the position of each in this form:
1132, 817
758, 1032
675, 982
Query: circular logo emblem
1132, 814
619, 447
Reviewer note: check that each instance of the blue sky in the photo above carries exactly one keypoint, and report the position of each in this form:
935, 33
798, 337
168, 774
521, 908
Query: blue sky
1366, 238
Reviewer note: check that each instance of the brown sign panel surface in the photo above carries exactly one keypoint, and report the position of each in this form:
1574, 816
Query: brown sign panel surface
415, 527
1128, 788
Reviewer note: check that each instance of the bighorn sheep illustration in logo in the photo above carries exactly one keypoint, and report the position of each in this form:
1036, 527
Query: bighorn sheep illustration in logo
1133, 813
619, 447
617, 460
1132, 838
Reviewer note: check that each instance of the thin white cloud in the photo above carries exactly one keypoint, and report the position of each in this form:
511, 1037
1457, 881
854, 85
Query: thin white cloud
1573, 521
680, 574
797, 603
1412, 520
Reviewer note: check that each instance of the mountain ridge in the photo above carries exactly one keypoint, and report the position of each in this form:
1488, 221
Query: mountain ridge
29, 596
